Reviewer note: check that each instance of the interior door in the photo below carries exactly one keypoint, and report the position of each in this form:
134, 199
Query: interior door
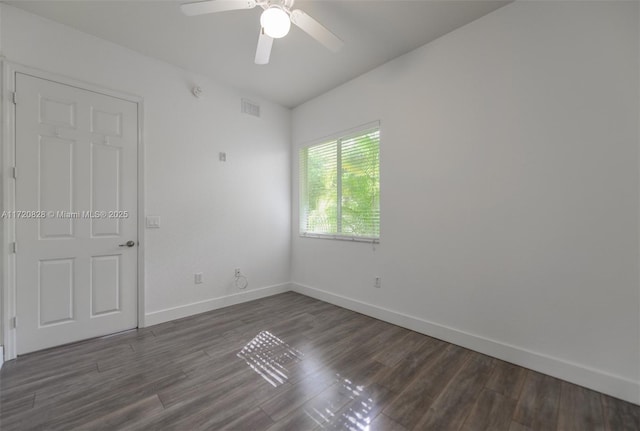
76, 220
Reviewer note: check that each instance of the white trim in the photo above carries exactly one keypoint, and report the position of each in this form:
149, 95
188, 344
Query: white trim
366, 239
161, 316
598, 380
9, 287
141, 217
1, 356
638, 238
8, 225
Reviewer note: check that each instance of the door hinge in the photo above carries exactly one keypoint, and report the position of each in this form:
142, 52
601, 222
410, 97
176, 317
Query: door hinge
13, 322
14, 98
14, 173
14, 247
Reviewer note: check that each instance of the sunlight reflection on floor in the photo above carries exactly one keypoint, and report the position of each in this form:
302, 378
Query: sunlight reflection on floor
267, 355
352, 416
348, 405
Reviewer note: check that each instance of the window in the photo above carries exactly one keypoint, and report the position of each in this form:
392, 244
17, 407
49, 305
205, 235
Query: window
340, 187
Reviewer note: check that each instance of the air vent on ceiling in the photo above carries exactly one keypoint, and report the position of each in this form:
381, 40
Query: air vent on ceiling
250, 108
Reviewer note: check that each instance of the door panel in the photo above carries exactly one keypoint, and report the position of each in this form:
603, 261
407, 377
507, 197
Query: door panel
55, 289
58, 112
105, 187
76, 158
55, 188
105, 284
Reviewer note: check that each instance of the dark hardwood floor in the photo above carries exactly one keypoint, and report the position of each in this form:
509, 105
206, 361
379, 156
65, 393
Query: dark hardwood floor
289, 362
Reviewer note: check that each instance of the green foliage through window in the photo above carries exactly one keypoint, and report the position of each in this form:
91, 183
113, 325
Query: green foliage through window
340, 186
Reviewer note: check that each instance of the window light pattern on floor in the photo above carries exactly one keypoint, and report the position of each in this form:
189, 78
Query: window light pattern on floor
353, 413
267, 355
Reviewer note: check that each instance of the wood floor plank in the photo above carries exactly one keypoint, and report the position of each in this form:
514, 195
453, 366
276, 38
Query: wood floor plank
384, 423
107, 397
209, 410
77, 354
12, 406
362, 408
400, 376
414, 400
216, 382
255, 419
537, 407
406, 342
67, 381
454, 404
492, 412
620, 415
361, 374
319, 411
515, 426
41, 375
580, 409
507, 379
73, 409
120, 418
135, 374
298, 420
218, 413
297, 394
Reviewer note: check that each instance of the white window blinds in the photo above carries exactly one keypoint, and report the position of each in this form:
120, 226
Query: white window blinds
340, 187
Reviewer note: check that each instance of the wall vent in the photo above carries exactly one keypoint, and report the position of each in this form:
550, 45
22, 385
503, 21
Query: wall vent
250, 108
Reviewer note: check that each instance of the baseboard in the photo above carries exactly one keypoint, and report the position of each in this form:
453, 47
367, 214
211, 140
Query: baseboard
597, 380
161, 316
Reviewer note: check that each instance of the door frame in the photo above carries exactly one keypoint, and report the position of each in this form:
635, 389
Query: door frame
8, 286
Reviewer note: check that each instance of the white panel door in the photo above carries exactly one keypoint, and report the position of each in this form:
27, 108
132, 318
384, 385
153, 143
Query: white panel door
76, 198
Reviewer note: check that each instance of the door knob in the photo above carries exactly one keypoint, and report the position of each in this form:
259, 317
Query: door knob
127, 244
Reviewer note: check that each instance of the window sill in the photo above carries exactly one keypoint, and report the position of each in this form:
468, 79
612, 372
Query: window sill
369, 240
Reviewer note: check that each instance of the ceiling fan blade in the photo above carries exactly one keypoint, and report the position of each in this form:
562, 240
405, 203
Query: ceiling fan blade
263, 52
211, 6
316, 30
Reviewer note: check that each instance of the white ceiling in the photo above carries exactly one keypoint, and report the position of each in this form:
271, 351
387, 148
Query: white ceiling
222, 46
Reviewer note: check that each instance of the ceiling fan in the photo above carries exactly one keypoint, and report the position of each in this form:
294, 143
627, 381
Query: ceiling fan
275, 22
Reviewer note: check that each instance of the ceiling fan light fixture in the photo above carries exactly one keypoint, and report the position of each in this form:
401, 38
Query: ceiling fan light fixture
276, 22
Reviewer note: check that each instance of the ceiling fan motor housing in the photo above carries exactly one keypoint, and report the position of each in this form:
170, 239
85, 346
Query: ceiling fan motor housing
286, 5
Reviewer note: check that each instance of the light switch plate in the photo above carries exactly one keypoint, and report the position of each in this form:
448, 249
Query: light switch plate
153, 222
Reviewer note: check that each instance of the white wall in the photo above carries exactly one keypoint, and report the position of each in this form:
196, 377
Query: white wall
215, 216
509, 191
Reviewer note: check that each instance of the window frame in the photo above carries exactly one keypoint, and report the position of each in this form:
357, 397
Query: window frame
303, 178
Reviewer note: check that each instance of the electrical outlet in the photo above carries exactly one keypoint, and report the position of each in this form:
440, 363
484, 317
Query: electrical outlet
378, 283
197, 278
238, 272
